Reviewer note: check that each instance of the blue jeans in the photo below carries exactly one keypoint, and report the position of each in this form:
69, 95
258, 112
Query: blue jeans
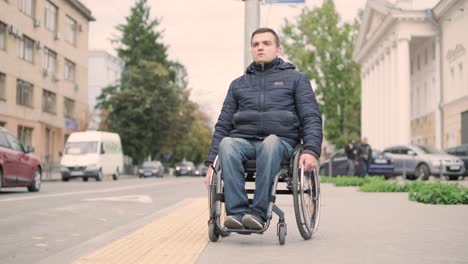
364, 167
232, 153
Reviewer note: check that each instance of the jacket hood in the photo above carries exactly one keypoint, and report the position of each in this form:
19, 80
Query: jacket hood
277, 63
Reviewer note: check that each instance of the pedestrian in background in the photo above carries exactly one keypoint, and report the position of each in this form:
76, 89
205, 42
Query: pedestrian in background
364, 154
351, 153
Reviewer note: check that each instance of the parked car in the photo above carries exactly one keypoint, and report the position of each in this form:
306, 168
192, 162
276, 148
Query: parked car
421, 161
201, 170
93, 154
151, 168
184, 168
461, 152
380, 164
19, 167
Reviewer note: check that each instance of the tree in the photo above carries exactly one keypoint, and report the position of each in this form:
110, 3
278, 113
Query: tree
143, 107
321, 47
192, 133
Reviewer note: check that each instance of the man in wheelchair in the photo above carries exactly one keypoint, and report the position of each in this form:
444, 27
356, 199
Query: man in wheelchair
267, 111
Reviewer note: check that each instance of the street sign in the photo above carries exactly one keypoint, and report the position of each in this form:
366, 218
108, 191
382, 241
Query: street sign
284, 1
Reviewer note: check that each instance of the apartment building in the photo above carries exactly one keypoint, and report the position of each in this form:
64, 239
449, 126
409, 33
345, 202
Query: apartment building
104, 69
43, 72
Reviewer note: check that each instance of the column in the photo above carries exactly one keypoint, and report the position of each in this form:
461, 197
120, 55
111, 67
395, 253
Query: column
438, 89
379, 102
393, 98
364, 88
404, 92
386, 105
370, 102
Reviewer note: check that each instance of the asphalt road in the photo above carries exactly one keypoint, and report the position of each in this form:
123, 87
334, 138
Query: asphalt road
70, 219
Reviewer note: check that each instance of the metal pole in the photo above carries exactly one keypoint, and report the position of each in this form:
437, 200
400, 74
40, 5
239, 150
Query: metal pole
252, 22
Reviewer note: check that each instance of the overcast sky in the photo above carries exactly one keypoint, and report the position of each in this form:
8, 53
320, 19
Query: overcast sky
206, 36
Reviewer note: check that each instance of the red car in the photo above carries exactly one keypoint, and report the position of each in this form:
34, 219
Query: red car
18, 166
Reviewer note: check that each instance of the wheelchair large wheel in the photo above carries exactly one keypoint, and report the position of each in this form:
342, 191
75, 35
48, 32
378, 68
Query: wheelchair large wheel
212, 204
306, 197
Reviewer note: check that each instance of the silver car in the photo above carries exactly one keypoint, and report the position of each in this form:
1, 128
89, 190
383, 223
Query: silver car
420, 161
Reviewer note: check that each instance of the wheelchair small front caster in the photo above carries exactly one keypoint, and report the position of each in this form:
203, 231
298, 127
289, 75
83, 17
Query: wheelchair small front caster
282, 233
213, 233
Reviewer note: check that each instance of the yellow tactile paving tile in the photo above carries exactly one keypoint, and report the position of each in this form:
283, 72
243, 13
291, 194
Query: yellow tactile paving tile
179, 237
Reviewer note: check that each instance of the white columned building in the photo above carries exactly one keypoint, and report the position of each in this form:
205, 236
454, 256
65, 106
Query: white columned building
414, 72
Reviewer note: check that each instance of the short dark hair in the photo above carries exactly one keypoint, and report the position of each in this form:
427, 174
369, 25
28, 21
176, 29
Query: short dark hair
266, 30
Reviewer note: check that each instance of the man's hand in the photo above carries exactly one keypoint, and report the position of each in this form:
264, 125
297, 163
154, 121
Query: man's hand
208, 177
308, 162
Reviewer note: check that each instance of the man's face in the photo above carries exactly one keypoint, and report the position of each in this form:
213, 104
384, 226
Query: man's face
263, 48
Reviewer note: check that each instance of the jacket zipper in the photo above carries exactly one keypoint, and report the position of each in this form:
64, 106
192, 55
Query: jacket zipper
262, 99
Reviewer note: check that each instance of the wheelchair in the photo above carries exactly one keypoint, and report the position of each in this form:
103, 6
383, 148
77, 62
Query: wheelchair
304, 187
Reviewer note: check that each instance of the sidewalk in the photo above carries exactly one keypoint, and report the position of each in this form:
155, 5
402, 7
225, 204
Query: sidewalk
355, 228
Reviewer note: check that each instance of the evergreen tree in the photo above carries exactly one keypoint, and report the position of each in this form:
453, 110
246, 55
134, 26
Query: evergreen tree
144, 107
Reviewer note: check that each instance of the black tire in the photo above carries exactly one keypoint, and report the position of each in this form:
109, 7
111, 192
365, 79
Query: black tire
422, 172
65, 179
36, 182
282, 230
306, 198
213, 232
1, 177
452, 177
212, 204
116, 175
85, 179
99, 177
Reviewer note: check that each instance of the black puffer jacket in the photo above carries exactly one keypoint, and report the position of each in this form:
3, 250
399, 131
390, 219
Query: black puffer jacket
273, 99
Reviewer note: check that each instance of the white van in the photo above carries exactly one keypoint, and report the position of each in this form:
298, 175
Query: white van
92, 154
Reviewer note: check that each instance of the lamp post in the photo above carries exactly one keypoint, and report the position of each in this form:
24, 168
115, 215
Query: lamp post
251, 23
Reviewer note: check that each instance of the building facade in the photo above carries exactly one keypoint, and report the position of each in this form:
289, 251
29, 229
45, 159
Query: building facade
43, 72
103, 70
413, 72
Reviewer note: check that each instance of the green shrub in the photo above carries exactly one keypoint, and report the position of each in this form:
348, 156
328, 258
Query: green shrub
439, 193
355, 181
383, 186
326, 179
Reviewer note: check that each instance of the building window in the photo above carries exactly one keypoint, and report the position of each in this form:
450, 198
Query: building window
50, 61
411, 67
462, 81
419, 63
24, 48
69, 108
70, 30
2, 86
50, 16
69, 70
425, 98
25, 135
425, 56
27, 7
48, 101
433, 51
2, 35
24, 93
